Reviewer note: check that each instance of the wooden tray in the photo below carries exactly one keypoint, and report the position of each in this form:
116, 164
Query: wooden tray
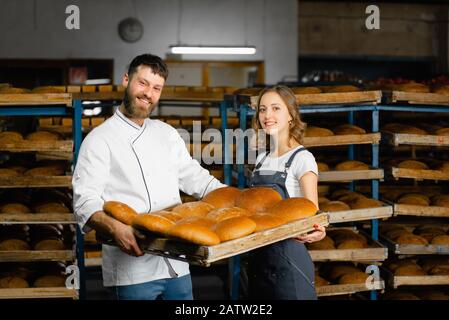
397, 139
29, 146
39, 293
416, 98
205, 255
34, 255
420, 211
32, 182
351, 175
396, 281
415, 248
37, 218
341, 140
29, 99
383, 212
419, 174
341, 289
379, 253
358, 97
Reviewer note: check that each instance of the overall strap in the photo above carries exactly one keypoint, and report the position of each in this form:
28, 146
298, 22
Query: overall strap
261, 161
292, 157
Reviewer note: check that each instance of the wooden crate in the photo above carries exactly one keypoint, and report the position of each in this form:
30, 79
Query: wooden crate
377, 253
30, 146
341, 289
383, 212
350, 175
40, 293
420, 211
36, 99
358, 97
33, 182
397, 139
34, 255
37, 218
341, 140
419, 174
413, 249
205, 255
416, 98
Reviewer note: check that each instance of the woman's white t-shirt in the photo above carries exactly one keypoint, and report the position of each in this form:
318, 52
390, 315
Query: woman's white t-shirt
303, 162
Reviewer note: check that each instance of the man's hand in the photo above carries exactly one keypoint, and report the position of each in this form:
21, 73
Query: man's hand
317, 235
125, 237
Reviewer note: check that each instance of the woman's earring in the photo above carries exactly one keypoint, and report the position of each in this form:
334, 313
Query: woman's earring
290, 123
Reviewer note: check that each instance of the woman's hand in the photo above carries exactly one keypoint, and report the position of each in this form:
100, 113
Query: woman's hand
317, 235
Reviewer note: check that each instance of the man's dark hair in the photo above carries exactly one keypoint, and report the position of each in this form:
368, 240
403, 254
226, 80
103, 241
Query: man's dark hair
154, 62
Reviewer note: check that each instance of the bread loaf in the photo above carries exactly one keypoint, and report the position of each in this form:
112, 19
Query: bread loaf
362, 203
412, 87
320, 282
13, 208
8, 173
409, 270
14, 245
325, 244
197, 234
152, 222
49, 244
353, 278
334, 206
49, 281
201, 221
43, 136
351, 244
444, 167
441, 200
294, 209
10, 282
222, 197
51, 207
322, 167
48, 89
234, 228
411, 239
266, 221
173, 216
226, 213
10, 137
12, 90
440, 240
318, 132
414, 199
51, 170
351, 165
120, 211
348, 129
339, 270
442, 132
196, 208
258, 200
413, 164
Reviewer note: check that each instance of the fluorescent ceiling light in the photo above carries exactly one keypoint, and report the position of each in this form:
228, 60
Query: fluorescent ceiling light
212, 50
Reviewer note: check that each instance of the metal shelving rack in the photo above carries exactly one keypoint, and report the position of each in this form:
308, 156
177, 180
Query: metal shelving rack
48, 105
241, 105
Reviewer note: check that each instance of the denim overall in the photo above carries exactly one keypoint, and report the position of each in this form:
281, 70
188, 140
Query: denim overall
283, 270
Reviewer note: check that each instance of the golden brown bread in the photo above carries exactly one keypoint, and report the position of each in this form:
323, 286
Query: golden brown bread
443, 167
339, 270
414, 199
7, 173
48, 89
194, 233
348, 129
394, 234
173, 216
266, 221
442, 132
51, 170
12, 90
351, 244
342, 235
322, 167
152, 222
51, 207
429, 264
202, 221
19, 169
234, 228
409, 270
226, 213
413, 164
306, 90
258, 200
222, 197
393, 265
319, 281
325, 244
362, 203
440, 240
49, 244
13, 282
294, 209
411, 239
49, 281
322, 199
351, 165
10, 136
412, 87
440, 270
333, 206
14, 208
353, 278
14, 245
318, 132
441, 200
120, 211
43, 136
195, 208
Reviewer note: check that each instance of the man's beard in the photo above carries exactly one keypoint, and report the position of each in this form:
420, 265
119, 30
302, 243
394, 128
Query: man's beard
132, 110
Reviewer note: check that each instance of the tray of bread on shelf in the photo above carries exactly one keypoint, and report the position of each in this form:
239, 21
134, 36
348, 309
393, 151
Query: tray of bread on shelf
349, 170
339, 278
421, 135
344, 205
227, 222
40, 141
34, 280
345, 134
347, 244
419, 169
420, 203
417, 271
324, 95
51, 95
416, 239
416, 93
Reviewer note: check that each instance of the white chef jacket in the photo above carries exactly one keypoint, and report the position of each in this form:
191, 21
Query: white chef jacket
144, 167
